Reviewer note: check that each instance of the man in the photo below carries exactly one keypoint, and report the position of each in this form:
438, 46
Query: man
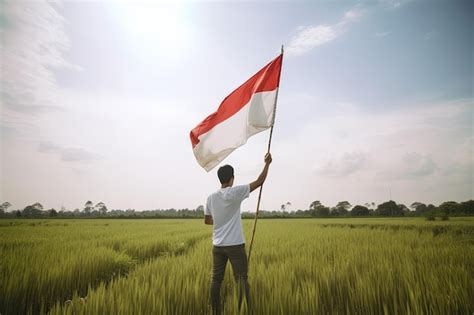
223, 212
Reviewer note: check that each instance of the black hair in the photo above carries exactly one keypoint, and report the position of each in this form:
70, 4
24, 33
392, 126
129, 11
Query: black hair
225, 173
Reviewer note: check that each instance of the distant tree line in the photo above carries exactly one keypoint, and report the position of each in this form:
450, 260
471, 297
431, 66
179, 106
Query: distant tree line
316, 209
386, 209
99, 210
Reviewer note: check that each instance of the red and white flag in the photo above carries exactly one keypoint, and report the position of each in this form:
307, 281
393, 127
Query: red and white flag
246, 111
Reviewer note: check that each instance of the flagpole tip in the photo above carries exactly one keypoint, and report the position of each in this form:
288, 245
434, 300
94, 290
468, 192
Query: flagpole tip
282, 50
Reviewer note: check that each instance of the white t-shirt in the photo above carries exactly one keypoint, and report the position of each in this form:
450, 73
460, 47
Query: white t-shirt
224, 207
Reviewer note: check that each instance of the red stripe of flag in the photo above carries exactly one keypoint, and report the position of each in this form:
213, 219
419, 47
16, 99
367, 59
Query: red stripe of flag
267, 79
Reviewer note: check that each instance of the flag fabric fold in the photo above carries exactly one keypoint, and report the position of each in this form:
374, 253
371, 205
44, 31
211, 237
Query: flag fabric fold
245, 112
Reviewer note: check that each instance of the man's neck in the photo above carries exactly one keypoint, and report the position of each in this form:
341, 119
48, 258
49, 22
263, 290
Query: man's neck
225, 185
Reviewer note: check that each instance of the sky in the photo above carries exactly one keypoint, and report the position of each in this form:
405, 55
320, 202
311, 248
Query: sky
98, 99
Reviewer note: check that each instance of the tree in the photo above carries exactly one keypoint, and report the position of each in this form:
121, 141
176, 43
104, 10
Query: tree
323, 211
450, 207
342, 208
369, 205
4, 206
419, 207
38, 206
286, 206
403, 210
200, 210
315, 204
388, 208
467, 207
344, 204
430, 209
102, 208
52, 213
318, 209
415, 205
33, 211
360, 211
88, 207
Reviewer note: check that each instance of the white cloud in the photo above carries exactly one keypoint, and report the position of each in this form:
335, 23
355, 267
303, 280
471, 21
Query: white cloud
418, 165
346, 164
353, 15
310, 37
393, 4
48, 146
78, 154
33, 46
409, 166
68, 153
381, 34
127, 146
421, 152
431, 35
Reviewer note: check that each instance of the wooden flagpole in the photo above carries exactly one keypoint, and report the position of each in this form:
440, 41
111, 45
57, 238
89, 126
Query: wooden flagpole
268, 151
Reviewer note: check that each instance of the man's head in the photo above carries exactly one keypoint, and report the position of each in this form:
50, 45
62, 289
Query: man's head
226, 175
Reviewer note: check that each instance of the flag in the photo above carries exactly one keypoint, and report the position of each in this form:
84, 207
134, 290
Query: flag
243, 113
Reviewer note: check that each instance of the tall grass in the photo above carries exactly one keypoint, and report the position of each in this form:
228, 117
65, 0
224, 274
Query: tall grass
299, 266
47, 261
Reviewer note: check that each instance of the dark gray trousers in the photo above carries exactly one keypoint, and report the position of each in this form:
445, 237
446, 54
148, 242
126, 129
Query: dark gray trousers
238, 259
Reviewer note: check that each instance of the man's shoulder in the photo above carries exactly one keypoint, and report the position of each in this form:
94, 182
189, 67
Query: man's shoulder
230, 192
240, 192
213, 195
241, 187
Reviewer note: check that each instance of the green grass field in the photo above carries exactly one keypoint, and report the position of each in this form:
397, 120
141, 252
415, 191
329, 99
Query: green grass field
299, 266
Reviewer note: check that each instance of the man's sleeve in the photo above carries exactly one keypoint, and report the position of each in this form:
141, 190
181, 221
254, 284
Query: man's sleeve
207, 210
241, 192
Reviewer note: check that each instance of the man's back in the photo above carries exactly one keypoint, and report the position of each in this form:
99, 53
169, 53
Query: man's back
223, 212
224, 207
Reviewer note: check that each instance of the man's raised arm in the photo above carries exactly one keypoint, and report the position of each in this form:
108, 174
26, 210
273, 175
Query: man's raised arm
261, 179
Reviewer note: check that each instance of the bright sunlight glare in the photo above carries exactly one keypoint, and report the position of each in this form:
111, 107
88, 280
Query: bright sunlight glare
157, 29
